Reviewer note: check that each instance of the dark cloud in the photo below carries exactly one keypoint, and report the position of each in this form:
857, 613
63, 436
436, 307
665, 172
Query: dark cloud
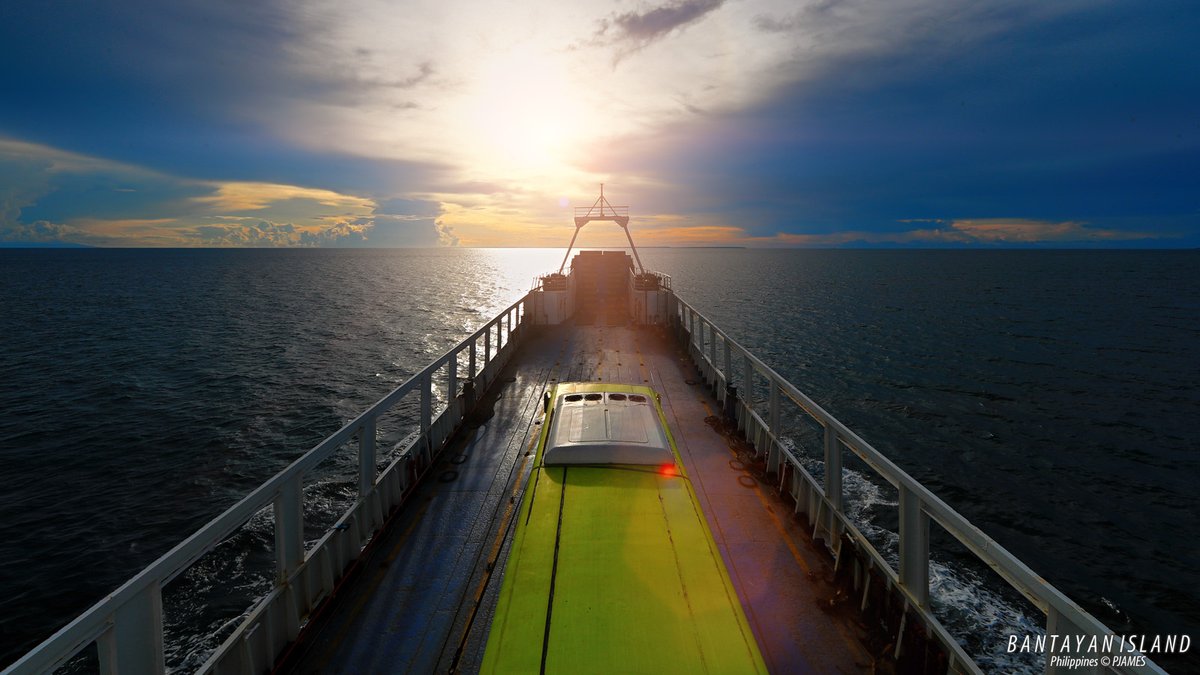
106, 60
196, 88
1072, 116
637, 29
808, 16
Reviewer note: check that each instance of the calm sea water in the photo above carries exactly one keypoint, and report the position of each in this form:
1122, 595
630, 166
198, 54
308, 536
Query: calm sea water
1049, 396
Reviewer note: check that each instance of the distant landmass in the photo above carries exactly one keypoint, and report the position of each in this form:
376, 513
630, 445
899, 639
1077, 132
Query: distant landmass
41, 244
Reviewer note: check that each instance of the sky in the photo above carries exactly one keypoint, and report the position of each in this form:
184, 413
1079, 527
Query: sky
905, 123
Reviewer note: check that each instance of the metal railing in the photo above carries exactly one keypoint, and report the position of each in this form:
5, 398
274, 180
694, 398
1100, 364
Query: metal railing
601, 210
127, 625
718, 356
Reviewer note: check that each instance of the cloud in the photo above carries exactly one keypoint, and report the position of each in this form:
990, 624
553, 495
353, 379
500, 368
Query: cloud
806, 17
424, 72
1024, 231
51, 196
901, 108
642, 28
807, 118
28, 174
691, 234
933, 232
41, 232
968, 232
446, 235
265, 233
244, 196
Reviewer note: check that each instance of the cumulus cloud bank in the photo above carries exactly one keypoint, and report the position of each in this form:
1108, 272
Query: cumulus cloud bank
45, 192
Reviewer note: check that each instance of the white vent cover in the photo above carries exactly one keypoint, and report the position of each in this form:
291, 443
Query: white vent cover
606, 428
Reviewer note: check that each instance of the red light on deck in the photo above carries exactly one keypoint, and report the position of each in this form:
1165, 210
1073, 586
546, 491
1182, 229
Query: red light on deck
668, 470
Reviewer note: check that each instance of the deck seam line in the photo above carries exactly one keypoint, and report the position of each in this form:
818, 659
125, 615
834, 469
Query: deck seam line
562, 499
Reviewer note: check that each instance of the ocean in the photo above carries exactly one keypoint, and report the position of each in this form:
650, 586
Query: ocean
1049, 396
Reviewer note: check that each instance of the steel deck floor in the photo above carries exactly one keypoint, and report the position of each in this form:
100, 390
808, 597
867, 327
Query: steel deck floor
423, 599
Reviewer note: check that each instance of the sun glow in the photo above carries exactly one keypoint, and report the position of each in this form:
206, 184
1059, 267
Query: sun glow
525, 114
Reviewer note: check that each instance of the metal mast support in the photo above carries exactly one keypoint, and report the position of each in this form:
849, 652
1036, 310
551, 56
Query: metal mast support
602, 210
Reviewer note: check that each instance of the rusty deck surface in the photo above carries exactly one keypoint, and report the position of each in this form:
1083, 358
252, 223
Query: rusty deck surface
424, 596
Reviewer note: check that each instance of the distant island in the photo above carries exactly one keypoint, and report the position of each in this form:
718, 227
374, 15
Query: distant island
41, 244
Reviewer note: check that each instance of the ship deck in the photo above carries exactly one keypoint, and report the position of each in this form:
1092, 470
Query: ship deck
422, 599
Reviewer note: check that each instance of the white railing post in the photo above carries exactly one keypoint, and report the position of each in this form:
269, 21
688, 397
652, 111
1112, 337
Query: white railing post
426, 402
366, 457
487, 344
833, 476
773, 407
134, 642
471, 359
712, 346
748, 381
289, 528
914, 546
452, 378
728, 361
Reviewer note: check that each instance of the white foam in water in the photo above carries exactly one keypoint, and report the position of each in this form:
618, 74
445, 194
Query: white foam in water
224, 574
981, 620
979, 617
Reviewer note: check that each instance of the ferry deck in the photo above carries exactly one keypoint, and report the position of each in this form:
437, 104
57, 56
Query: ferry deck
423, 599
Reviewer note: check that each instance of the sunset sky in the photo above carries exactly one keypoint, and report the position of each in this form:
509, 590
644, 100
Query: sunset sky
720, 122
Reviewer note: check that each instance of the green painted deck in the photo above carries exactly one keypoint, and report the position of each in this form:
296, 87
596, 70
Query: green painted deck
613, 569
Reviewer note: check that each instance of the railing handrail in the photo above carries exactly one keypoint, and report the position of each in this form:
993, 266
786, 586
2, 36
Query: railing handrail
1016, 573
93, 623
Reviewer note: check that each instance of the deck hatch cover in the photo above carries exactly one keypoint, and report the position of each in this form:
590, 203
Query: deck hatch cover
606, 430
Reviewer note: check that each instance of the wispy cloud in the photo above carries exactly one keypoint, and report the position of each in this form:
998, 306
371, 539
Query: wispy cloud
243, 196
644, 27
807, 16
